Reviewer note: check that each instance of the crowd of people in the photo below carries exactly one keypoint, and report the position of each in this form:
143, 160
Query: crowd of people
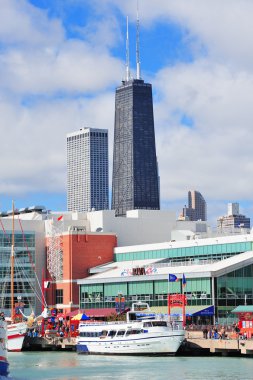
212, 332
222, 332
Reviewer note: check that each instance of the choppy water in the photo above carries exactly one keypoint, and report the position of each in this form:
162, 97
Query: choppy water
71, 366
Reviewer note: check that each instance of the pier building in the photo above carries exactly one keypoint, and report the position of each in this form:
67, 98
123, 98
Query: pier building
218, 274
89, 259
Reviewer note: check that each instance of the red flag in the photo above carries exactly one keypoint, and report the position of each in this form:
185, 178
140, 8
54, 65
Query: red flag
60, 218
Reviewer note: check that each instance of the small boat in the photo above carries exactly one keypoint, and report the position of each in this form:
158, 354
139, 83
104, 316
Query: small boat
143, 333
17, 324
3, 350
16, 333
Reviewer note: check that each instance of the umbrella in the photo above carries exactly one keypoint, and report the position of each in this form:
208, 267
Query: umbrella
80, 317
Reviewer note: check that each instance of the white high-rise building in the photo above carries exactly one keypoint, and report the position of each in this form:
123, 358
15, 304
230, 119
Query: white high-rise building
233, 209
87, 170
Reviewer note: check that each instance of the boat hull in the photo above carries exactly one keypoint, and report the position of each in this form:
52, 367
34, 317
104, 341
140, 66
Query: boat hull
152, 345
4, 365
16, 333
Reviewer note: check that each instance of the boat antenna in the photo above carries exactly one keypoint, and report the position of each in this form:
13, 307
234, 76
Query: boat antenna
138, 63
127, 53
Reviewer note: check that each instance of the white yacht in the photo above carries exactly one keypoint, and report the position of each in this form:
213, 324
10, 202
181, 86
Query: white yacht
143, 333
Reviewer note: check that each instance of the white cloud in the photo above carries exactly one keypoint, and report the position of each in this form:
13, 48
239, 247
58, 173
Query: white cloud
34, 147
74, 67
22, 23
214, 154
50, 85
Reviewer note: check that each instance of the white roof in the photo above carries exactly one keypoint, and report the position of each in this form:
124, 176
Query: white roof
118, 271
186, 243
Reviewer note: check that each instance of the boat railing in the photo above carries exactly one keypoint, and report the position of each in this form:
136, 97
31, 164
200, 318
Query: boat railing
173, 325
102, 323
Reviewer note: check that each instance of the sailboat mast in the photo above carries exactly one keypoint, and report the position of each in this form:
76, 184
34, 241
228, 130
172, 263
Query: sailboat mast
12, 265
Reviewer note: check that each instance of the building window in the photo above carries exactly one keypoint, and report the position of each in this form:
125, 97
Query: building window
59, 296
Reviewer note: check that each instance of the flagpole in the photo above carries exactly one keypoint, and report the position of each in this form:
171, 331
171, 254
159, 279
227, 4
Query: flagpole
184, 316
168, 299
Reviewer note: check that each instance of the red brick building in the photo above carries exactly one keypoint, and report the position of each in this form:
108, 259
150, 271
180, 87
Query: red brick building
81, 251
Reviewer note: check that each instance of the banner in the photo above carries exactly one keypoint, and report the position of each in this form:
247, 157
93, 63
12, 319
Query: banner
177, 300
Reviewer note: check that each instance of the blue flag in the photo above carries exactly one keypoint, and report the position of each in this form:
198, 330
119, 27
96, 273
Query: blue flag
183, 281
172, 278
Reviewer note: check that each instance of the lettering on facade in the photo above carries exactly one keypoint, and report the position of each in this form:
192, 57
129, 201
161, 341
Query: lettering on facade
139, 271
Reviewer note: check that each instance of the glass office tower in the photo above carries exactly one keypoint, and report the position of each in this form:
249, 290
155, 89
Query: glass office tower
135, 183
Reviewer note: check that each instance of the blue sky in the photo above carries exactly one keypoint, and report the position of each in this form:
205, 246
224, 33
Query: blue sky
61, 60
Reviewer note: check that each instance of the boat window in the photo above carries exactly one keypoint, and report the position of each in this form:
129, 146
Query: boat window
159, 323
104, 333
134, 331
147, 324
112, 333
89, 334
121, 332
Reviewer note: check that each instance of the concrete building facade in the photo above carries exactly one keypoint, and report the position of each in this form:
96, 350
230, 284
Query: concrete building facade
87, 170
233, 221
196, 209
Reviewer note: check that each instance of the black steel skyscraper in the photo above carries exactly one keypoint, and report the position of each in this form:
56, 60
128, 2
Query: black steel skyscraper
135, 183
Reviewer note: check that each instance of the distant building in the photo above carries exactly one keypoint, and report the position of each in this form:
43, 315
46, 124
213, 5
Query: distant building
233, 219
87, 170
135, 180
196, 209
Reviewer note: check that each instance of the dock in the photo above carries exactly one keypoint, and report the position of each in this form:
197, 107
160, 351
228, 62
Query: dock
47, 344
194, 345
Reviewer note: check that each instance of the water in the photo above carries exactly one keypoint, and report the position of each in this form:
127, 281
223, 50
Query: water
71, 366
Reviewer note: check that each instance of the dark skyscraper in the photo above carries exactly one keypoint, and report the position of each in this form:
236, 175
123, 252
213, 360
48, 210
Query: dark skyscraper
135, 182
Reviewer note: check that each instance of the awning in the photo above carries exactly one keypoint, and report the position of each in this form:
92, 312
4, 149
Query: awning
190, 311
243, 309
100, 312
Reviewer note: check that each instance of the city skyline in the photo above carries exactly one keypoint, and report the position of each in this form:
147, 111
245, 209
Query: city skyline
61, 62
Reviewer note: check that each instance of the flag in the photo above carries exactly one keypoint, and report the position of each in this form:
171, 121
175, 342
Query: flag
60, 218
184, 281
172, 278
46, 284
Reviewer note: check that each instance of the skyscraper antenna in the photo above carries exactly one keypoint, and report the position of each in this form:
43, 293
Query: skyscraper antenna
127, 55
138, 63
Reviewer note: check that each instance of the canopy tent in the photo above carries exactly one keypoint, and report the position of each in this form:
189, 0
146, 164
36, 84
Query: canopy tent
190, 311
70, 314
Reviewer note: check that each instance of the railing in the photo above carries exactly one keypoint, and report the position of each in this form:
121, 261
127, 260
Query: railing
185, 263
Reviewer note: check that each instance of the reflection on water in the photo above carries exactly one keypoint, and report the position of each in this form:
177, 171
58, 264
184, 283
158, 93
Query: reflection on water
70, 366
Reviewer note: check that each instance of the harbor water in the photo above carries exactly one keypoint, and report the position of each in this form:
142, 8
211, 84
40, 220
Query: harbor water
71, 366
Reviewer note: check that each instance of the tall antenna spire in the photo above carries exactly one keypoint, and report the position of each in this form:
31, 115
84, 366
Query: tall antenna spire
127, 55
138, 63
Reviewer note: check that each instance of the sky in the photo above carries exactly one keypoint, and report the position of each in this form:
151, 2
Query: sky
61, 60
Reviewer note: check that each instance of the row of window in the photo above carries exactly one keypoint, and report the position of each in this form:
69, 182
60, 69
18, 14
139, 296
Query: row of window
204, 252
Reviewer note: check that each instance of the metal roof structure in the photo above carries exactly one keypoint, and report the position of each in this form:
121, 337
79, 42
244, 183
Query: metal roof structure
119, 271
